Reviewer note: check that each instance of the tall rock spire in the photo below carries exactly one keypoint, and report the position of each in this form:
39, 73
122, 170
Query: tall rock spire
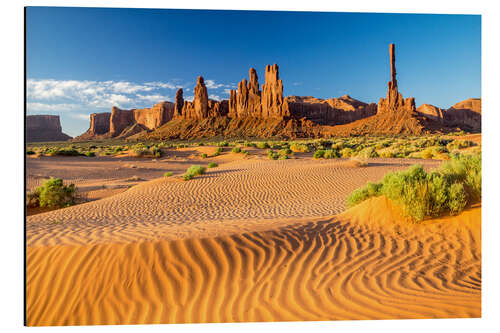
392, 56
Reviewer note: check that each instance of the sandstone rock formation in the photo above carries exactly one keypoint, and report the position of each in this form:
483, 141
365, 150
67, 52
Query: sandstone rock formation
40, 128
332, 111
394, 103
465, 114
201, 107
99, 126
179, 103
122, 123
431, 112
273, 105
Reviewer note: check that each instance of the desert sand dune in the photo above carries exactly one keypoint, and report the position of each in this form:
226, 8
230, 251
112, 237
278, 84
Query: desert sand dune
234, 197
331, 269
251, 240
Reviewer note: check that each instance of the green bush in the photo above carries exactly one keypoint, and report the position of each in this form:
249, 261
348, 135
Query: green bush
330, 153
89, 154
218, 151
223, 144
368, 152
271, 154
346, 152
236, 150
212, 165
262, 145
204, 155
194, 170
168, 174
299, 148
63, 152
285, 151
319, 153
421, 194
53, 194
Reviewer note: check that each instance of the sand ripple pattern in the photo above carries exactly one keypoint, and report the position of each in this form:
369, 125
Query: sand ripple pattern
323, 270
246, 192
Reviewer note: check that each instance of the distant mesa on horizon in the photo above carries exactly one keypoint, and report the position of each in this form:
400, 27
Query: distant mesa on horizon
42, 128
263, 111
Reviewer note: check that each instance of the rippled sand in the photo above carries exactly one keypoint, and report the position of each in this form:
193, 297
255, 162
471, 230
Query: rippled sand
251, 240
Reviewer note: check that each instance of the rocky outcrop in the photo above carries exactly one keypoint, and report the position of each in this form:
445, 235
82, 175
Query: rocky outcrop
148, 118
99, 126
273, 105
40, 128
179, 103
394, 103
465, 115
332, 111
431, 112
395, 115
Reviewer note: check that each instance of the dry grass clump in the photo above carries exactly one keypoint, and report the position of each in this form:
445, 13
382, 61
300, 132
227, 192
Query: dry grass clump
356, 162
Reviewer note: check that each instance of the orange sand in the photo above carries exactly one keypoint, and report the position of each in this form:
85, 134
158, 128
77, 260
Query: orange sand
252, 240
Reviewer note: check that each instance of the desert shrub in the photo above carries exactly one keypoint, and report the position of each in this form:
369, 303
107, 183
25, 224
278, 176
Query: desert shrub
361, 194
223, 144
70, 151
204, 155
368, 152
89, 154
275, 145
299, 148
262, 145
167, 174
218, 151
212, 165
200, 144
194, 170
30, 152
236, 150
283, 157
346, 152
285, 151
245, 152
356, 162
331, 153
459, 144
387, 153
271, 154
319, 153
249, 144
53, 194
421, 194
427, 153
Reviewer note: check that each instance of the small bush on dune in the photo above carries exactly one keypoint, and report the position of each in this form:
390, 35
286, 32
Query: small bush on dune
330, 153
53, 194
218, 151
346, 152
262, 145
168, 174
204, 155
421, 194
319, 153
212, 165
271, 154
223, 144
194, 170
368, 152
299, 148
236, 150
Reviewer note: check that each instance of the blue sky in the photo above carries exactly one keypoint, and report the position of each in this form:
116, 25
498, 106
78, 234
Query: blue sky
85, 60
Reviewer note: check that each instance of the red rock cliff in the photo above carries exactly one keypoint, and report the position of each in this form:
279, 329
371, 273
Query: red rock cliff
41, 128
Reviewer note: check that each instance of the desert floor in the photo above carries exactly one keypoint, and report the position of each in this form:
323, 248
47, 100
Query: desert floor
251, 240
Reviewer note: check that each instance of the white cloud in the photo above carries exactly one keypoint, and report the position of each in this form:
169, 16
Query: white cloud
153, 98
81, 116
212, 85
50, 94
216, 97
188, 98
38, 107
